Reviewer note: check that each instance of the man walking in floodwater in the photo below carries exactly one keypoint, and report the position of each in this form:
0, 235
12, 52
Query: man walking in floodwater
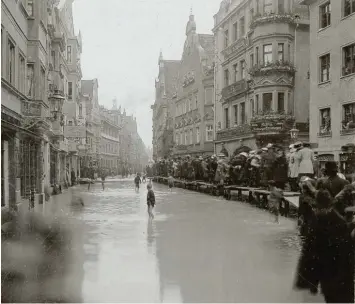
137, 181
150, 201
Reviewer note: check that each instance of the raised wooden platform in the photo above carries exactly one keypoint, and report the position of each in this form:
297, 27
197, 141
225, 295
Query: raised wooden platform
255, 196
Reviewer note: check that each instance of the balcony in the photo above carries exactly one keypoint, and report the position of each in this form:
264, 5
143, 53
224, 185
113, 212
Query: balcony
271, 122
72, 147
234, 89
272, 18
75, 131
278, 66
234, 132
235, 47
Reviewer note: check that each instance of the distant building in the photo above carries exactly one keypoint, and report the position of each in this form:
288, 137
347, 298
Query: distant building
262, 68
163, 108
193, 96
332, 73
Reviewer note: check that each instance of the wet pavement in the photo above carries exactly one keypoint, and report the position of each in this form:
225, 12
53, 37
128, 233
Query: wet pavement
198, 248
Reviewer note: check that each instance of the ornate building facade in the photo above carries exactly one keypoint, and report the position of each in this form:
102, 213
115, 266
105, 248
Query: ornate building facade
193, 96
163, 108
262, 72
332, 70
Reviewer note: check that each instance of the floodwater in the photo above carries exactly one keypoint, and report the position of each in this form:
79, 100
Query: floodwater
197, 249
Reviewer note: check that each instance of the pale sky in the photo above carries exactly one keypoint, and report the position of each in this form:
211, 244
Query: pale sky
121, 44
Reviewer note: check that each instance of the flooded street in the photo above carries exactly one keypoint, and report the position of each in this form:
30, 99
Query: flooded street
198, 248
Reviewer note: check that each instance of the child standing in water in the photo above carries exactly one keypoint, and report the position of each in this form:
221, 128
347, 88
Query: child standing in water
170, 183
275, 200
150, 201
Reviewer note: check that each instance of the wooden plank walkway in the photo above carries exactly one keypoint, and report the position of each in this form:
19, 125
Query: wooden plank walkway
255, 196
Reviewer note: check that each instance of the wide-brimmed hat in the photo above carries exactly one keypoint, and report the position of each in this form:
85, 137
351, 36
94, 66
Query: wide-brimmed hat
269, 145
331, 166
221, 155
264, 149
200, 158
298, 145
244, 154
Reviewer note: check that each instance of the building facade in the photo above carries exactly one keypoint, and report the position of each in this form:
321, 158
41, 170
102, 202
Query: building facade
163, 108
332, 71
262, 72
193, 98
25, 109
109, 141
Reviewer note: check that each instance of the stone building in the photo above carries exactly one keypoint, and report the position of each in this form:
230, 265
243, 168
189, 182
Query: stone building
332, 73
64, 77
24, 104
109, 141
90, 156
193, 97
262, 72
163, 108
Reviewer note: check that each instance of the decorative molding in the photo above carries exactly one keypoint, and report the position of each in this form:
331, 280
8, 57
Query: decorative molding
279, 67
234, 132
234, 90
188, 79
272, 18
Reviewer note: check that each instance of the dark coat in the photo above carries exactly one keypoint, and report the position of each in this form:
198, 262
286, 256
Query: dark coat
327, 258
280, 170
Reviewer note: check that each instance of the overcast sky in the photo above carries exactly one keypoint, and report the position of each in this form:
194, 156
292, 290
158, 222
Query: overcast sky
121, 44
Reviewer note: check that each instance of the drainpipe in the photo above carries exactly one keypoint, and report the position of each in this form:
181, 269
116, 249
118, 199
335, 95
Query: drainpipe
297, 18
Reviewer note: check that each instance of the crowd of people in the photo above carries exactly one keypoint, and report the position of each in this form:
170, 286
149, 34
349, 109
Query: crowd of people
245, 167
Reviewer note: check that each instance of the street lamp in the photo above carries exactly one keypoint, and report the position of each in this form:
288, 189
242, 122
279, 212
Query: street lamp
294, 133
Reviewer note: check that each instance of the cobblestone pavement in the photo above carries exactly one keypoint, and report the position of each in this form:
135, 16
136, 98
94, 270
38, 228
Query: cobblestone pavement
198, 248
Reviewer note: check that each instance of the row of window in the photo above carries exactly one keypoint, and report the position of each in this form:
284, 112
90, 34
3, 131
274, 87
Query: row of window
325, 12
239, 110
239, 26
239, 70
109, 148
190, 104
187, 137
108, 163
111, 132
347, 123
348, 63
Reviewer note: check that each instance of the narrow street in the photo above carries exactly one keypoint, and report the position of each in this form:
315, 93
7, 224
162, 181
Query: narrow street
198, 248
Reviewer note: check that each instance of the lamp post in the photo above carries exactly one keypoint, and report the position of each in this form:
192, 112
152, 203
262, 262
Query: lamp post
294, 133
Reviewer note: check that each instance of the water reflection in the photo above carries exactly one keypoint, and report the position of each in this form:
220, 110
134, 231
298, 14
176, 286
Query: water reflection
150, 235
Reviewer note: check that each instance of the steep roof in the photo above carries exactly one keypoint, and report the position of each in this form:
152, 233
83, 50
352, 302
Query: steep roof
171, 68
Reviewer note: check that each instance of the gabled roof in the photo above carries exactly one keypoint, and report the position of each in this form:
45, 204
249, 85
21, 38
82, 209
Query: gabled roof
171, 68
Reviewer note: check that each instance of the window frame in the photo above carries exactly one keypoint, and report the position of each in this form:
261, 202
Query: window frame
242, 26
197, 135
325, 14
226, 118
352, 59
235, 30
70, 88
267, 4
267, 53
320, 124
69, 54
235, 70
11, 58
226, 77
343, 120
281, 52
321, 65
22, 74
263, 96
236, 114
226, 38
243, 115
209, 128
278, 102
352, 8
243, 74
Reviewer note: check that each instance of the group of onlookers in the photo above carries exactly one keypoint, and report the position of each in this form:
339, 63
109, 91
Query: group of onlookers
248, 168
